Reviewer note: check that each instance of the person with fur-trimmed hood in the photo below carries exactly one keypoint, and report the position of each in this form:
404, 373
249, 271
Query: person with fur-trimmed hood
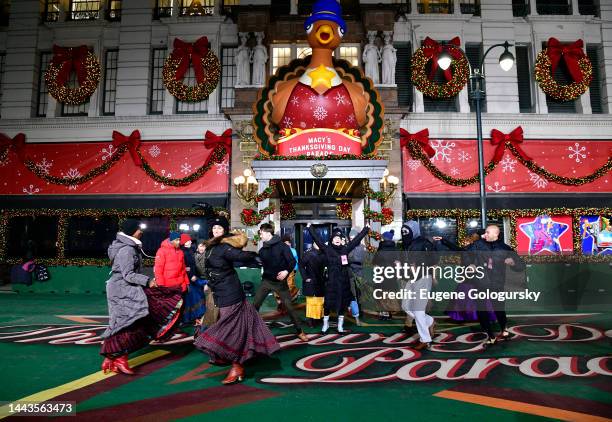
338, 293
240, 333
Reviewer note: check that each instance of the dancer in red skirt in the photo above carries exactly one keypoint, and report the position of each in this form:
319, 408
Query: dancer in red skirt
240, 332
139, 311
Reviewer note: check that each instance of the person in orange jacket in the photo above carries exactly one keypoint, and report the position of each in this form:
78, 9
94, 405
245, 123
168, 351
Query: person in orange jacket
169, 267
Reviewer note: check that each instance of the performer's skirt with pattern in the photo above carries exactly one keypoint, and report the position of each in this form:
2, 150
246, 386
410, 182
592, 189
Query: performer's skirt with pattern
164, 311
239, 335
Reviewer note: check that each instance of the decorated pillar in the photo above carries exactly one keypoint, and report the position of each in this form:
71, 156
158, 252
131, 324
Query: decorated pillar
374, 206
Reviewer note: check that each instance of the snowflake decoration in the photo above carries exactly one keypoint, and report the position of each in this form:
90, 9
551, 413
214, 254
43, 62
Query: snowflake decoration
287, 122
31, 190
443, 150
337, 124
44, 166
508, 165
351, 118
185, 168
72, 174
454, 171
464, 156
303, 125
537, 180
414, 164
497, 187
312, 99
340, 99
161, 185
320, 113
577, 152
154, 151
108, 152
295, 101
223, 167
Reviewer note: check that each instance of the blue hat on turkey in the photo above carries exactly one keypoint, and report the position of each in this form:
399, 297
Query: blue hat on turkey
329, 10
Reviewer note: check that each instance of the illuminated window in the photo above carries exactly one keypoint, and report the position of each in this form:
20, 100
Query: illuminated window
349, 53
303, 52
197, 7
84, 9
280, 57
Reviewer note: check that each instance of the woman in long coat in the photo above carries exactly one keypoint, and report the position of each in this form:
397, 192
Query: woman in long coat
338, 293
240, 332
139, 311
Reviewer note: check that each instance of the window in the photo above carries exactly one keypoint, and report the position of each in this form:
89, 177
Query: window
473, 225
5, 6
435, 6
520, 8
163, 9
32, 236
349, 53
2, 61
43, 98
156, 105
84, 9
197, 7
403, 75
52, 11
473, 51
445, 227
280, 57
90, 237
562, 76
228, 77
523, 74
113, 10
470, 7
595, 89
196, 227
185, 107
303, 52
553, 7
74, 110
110, 82
588, 7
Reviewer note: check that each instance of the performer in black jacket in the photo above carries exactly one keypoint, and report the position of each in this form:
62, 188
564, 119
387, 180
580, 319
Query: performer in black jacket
338, 294
312, 268
278, 263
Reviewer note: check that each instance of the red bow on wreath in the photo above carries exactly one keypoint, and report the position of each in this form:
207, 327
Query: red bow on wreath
69, 59
133, 143
515, 138
17, 143
422, 137
211, 140
571, 53
433, 49
187, 52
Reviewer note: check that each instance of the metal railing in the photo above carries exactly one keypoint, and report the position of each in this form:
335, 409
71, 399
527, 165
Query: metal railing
84, 10
197, 8
52, 11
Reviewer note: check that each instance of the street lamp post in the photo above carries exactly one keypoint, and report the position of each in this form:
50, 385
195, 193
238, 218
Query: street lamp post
478, 91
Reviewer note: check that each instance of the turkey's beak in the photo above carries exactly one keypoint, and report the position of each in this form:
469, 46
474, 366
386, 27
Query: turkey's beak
325, 34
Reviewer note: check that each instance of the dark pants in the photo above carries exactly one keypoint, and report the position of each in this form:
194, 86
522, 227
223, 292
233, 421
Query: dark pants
484, 316
282, 289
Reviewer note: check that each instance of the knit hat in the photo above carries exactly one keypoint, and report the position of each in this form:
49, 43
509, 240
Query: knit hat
185, 238
219, 221
174, 236
328, 10
388, 235
337, 233
130, 226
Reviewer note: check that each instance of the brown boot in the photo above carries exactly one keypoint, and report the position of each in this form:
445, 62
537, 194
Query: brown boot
422, 346
302, 336
236, 374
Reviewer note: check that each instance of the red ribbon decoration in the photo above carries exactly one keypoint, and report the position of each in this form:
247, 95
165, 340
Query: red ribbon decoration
69, 59
133, 143
190, 53
211, 140
571, 54
422, 137
17, 143
500, 139
433, 49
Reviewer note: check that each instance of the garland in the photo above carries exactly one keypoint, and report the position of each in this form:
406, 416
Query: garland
344, 211
464, 215
287, 211
217, 156
417, 153
267, 193
370, 194
206, 67
250, 217
87, 67
384, 217
457, 75
332, 157
578, 63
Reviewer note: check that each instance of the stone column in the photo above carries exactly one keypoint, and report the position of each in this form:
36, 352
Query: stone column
533, 11
414, 7
606, 33
575, 10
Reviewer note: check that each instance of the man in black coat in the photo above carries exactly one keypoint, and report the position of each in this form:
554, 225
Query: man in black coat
494, 255
278, 262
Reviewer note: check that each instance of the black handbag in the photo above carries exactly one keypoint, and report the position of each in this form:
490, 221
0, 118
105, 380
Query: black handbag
41, 273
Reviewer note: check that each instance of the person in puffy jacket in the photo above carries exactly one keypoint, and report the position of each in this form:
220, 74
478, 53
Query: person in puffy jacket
169, 267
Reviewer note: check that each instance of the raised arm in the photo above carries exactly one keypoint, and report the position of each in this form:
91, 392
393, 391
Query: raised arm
316, 238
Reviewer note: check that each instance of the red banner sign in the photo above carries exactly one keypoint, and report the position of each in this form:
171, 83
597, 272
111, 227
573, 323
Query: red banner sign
318, 143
